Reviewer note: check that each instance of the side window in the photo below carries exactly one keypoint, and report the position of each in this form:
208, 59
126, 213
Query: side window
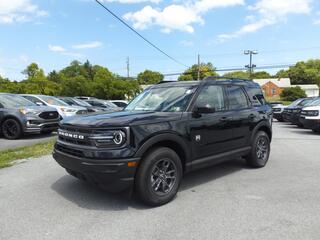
32, 99
212, 97
237, 98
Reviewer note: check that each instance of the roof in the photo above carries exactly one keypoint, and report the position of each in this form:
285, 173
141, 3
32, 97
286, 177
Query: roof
307, 86
280, 82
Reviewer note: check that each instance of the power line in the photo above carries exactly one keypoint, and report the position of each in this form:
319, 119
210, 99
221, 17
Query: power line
230, 69
136, 32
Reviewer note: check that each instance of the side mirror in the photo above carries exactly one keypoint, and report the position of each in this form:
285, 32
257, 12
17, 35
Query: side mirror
203, 110
40, 103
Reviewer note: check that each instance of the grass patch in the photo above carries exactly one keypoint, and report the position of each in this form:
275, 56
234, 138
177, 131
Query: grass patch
7, 157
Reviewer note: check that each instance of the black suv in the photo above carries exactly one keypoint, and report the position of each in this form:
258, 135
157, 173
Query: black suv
166, 131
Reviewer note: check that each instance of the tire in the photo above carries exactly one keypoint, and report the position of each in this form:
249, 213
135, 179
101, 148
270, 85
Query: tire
11, 129
260, 151
158, 177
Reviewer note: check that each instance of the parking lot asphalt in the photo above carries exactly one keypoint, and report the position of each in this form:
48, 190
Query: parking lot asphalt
27, 140
38, 200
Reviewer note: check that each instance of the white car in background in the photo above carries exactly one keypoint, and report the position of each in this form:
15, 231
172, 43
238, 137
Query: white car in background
63, 108
310, 116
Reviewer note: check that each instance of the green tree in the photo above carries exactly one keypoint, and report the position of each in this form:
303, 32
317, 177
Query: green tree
305, 72
149, 77
206, 70
292, 94
282, 74
237, 74
260, 75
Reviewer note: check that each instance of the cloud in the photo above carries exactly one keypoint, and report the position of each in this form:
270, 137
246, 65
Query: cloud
61, 50
177, 16
56, 48
269, 12
19, 11
132, 1
95, 44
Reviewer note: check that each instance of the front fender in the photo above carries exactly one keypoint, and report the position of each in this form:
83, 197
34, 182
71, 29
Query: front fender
164, 137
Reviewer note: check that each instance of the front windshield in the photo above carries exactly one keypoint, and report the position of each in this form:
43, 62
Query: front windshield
315, 102
305, 102
81, 103
110, 104
10, 101
53, 101
163, 99
295, 103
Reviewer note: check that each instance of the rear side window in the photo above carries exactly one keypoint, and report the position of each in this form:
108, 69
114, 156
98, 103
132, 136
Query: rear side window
237, 98
212, 97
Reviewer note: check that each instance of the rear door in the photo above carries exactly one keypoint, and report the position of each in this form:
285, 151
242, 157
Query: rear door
241, 109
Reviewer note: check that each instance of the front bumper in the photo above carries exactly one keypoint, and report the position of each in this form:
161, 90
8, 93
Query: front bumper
111, 174
37, 126
295, 118
313, 124
277, 115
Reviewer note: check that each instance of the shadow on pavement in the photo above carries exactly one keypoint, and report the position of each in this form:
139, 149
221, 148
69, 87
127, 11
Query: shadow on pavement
89, 196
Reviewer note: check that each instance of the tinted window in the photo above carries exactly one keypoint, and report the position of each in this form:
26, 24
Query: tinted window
237, 98
211, 97
32, 99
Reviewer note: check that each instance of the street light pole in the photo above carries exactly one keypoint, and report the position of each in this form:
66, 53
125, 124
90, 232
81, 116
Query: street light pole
250, 66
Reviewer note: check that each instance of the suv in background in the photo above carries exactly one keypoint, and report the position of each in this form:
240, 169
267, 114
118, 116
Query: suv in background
310, 116
63, 108
107, 105
278, 108
19, 116
294, 116
168, 130
78, 102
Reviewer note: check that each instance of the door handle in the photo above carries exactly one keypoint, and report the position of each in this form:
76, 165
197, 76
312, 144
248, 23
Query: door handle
225, 119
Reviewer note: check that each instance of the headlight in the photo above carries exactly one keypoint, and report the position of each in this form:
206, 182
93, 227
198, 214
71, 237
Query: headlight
29, 112
67, 110
111, 138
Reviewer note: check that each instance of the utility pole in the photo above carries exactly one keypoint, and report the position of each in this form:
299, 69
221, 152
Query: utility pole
250, 66
199, 66
128, 67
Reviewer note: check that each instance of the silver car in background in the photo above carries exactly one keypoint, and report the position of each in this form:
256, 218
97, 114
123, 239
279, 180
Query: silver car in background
63, 108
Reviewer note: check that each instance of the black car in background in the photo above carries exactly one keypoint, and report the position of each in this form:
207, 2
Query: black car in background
19, 116
168, 130
295, 111
106, 105
78, 102
286, 113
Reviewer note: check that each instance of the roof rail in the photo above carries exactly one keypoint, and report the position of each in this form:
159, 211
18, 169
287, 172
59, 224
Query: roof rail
169, 81
225, 78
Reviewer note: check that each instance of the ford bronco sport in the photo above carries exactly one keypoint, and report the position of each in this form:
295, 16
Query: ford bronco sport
168, 130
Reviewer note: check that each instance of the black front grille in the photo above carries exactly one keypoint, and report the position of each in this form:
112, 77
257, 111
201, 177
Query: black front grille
49, 115
77, 141
82, 112
70, 151
85, 142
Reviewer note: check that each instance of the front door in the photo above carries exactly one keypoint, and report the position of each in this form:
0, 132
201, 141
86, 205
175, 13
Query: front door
211, 133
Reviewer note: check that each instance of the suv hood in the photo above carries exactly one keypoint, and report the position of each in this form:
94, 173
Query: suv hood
122, 119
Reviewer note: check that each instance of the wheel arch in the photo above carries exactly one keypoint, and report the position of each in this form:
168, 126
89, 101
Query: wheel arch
169, 140
262, 126
11, 117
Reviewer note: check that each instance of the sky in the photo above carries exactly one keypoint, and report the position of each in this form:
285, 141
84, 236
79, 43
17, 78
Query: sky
52, 33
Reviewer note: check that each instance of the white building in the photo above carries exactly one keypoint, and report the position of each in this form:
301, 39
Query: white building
312, 90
